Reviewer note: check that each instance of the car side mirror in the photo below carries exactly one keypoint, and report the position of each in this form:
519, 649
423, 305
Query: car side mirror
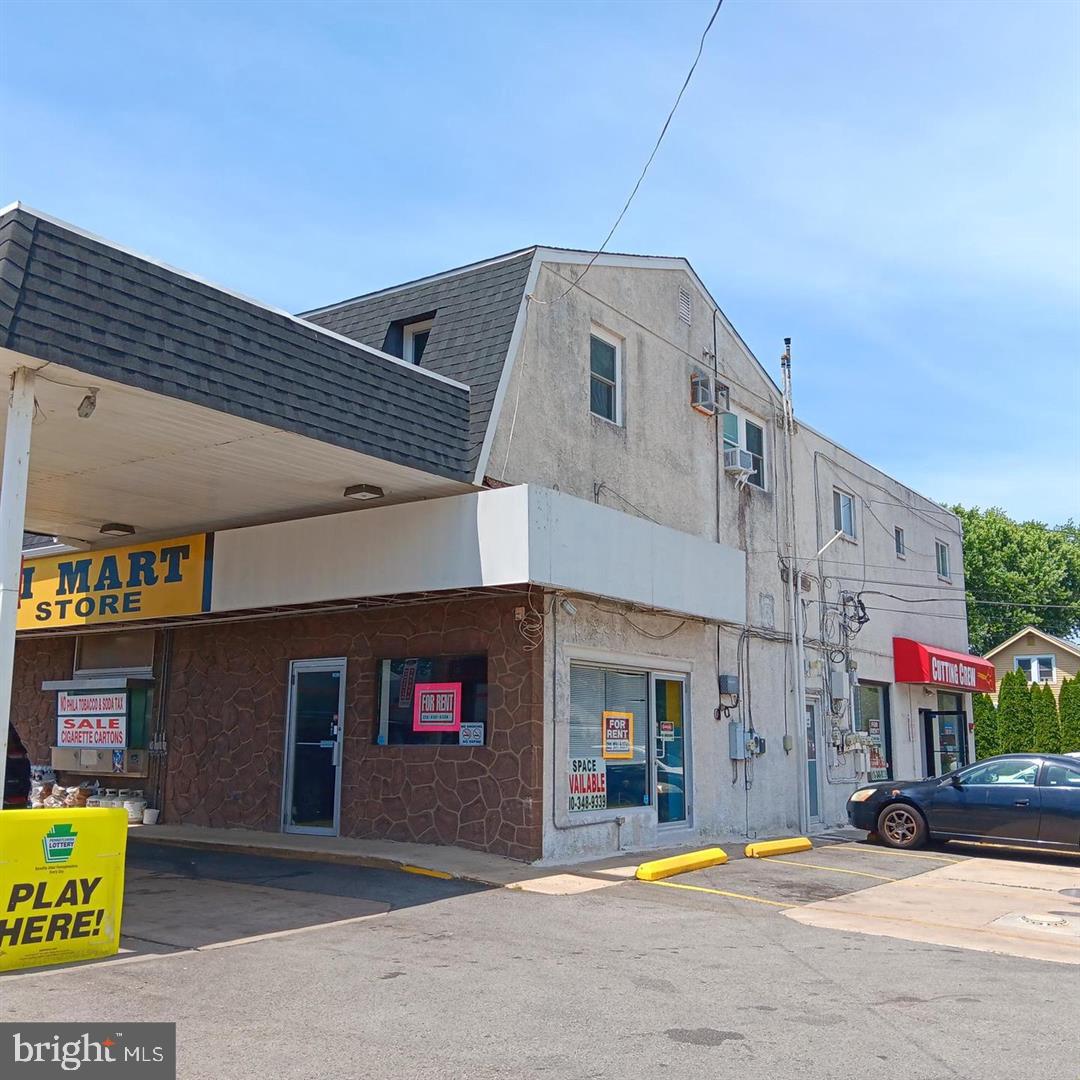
956, 782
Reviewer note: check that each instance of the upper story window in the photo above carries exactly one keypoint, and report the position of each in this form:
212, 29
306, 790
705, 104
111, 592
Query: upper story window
126, 652
898, 536
414, 339
605, 376
843, 513
742, 433
1036, 668
941, 550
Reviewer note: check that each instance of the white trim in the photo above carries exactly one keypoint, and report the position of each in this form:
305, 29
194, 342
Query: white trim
229, 292
509, 364
608, 337
1040, 657
1055, 641
898, 534
839, 525
940, 544
408, 338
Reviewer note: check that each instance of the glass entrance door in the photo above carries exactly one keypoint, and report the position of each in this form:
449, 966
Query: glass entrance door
672, 773
945, 739
813, 778
313, 746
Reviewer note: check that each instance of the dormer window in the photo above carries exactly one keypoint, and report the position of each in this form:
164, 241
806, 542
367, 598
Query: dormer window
414, 339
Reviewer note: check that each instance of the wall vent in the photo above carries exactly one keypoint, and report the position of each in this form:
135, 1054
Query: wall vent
684, 306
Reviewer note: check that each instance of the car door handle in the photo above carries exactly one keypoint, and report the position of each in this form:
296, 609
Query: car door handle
1022, 802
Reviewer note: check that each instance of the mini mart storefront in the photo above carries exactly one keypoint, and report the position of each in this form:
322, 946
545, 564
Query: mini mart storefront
284, 689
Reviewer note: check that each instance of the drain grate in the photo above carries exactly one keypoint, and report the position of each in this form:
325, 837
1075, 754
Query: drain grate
1048, 921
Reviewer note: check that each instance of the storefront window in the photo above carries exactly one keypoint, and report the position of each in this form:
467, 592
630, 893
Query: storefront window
432, 701
872, 717
609, 739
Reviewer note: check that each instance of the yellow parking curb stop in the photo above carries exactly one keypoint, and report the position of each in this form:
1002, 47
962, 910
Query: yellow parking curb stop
763, 848
681, 864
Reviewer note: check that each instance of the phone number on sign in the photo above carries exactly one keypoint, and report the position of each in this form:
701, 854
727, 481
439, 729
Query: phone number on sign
588, 802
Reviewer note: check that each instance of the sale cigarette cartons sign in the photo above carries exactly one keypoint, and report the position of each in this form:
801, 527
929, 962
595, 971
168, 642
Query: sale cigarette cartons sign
97, 721
61, 885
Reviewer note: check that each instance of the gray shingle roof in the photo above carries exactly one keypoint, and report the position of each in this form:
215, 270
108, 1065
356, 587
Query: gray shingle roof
74, 300
476, 308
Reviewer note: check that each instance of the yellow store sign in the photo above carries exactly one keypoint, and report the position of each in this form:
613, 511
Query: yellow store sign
61, 885
143, 581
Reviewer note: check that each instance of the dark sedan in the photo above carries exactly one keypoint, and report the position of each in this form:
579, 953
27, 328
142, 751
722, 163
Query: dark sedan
1027, 799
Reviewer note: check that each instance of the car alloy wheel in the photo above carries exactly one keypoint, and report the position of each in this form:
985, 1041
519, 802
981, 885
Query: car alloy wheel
900, 826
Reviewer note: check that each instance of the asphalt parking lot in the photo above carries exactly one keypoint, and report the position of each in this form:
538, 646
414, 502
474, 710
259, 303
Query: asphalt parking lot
969, 896
311, 970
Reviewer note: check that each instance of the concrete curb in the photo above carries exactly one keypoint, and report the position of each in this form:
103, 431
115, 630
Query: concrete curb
762, 849
371, 862
681, 864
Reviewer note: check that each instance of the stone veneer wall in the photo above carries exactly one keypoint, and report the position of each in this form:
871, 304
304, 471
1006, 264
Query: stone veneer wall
33, 711
226, 721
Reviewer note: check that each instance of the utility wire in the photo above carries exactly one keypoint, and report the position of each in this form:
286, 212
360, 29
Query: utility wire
961, 600
659, 140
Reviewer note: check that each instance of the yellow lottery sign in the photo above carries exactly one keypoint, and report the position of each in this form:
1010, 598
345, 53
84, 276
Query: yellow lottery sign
61, 885
141, 581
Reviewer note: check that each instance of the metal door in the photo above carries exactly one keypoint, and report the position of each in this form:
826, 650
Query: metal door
312, 793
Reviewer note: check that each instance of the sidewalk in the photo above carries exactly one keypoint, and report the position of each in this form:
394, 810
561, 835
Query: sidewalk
446, 862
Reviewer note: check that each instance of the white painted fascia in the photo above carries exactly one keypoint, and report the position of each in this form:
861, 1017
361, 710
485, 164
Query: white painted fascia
321, 330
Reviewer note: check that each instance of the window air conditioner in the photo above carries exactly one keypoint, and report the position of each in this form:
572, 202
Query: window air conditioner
702, 397
722, 396
738, 461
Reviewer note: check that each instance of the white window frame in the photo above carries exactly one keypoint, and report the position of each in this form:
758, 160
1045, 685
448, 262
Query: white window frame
763, 428
899, 542
741, 420
408, 334
854, 534
616, 343
939, 547
1037, 659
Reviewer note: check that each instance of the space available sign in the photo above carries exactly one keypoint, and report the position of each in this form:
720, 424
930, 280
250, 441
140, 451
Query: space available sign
587, 784
96, 721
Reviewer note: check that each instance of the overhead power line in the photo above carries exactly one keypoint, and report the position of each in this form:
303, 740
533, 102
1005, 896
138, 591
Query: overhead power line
656, 147
963, 600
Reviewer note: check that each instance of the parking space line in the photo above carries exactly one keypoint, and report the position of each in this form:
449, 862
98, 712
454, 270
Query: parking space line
889, 851
832, 869
720, 892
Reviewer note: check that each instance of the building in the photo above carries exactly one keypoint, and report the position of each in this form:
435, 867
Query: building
1042, 657
529, 556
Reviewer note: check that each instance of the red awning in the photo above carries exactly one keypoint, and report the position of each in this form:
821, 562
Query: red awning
919, 663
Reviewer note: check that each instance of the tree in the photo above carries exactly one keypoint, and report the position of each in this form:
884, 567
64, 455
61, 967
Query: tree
1015, 728
1045, 724
986, 726
1021, 566
1069, 707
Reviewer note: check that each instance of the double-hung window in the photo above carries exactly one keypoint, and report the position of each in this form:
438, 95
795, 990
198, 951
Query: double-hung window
605, 376
843, 513
1038, 669
901, 549
941, 551
740, 433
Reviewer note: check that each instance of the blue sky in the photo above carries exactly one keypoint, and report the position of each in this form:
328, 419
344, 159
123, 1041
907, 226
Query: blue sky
894, 185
